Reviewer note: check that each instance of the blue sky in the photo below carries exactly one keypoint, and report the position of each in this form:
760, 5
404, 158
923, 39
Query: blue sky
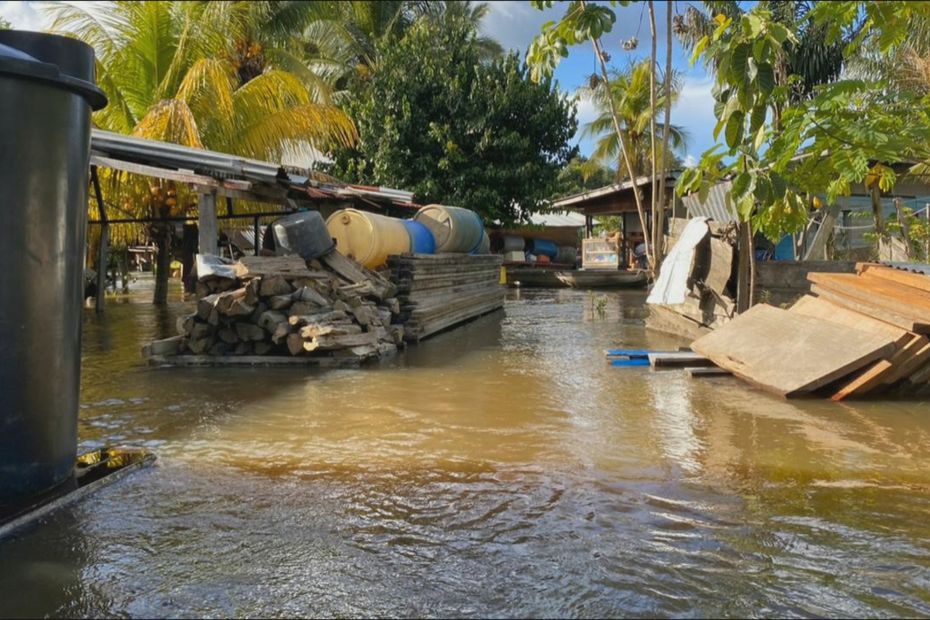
515, 23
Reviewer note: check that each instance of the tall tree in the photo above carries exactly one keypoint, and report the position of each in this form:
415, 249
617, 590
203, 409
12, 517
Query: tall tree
438, 120
628, 94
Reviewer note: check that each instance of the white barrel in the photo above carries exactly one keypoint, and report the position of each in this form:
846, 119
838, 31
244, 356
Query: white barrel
514, 243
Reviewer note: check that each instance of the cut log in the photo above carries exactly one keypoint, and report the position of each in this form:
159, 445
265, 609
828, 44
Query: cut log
270, 319
262, 347
281, 332
280, 302
252, 291
206, 306
314, 330
228, 335
317, 317
185, 324
295, 344
200, 345
243, 348
249, 331
274, 285
331, 342
311, 295
788, 353
200, 330
167, 346
355, 273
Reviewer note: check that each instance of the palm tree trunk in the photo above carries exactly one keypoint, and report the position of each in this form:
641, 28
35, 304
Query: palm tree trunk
666, 127
599, 53
656, 215
163, 258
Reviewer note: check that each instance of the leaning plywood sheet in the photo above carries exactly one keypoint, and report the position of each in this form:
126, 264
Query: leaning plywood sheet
672, 285
907, 278
788, 353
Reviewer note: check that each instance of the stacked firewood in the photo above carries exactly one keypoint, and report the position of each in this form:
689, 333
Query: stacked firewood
442, 290
262, 306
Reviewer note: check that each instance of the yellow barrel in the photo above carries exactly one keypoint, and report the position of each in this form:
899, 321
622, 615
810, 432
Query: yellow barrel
368, 238
454, 228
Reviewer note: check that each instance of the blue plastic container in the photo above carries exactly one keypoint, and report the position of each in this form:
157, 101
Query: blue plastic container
544, 246
421, 239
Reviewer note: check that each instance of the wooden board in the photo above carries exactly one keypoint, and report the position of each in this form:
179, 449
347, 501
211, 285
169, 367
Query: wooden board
702, 373
821, 308
866, 307
664, 320
678, 359
788, 353
913, 356
251, 360
907, 278
865, 381
901, 300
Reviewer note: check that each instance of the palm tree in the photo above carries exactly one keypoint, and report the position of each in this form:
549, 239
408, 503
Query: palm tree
187, 72
630, 92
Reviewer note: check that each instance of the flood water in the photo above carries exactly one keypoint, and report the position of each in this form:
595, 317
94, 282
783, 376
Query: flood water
501, 469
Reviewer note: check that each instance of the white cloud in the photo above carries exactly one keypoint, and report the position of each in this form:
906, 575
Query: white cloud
23, 15
515, 24
690, 160
694, 112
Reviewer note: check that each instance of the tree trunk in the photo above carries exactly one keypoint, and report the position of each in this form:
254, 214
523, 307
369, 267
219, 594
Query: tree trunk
666, 131
599, 54
654, 193
163, 259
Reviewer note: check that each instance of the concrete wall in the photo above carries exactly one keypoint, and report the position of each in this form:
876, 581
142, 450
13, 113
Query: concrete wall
783, 282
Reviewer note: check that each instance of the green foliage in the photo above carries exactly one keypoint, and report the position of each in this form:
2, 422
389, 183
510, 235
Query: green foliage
629, 90
782, 150
5, 25
582, 174
581, 22
437, 120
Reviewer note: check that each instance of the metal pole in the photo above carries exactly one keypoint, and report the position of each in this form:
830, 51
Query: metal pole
104, 242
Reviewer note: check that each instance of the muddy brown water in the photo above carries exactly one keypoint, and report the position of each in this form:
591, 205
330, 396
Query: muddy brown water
500, 469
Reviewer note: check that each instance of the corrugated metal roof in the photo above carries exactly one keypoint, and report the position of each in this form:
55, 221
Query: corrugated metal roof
564, 219
580, 197
922, 268
716, 207
200, 161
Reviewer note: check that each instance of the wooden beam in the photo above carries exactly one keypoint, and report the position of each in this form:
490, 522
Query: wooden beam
208, 229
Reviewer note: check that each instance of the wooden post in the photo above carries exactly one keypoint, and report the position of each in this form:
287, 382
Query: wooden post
207, 224
905, 226
255, 231
104, 242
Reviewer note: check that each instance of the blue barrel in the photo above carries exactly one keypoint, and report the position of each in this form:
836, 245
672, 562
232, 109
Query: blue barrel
421, 239
544, 246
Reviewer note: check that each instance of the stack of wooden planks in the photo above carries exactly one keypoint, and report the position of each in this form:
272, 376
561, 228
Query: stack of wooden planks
267, 306
437, 291
858, 334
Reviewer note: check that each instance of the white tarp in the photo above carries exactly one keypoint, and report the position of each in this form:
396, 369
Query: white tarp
209, 265
671, 286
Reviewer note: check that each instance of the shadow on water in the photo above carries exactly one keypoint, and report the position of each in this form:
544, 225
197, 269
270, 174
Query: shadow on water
502, 468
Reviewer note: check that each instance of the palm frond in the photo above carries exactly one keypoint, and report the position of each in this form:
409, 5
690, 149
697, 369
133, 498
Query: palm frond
170, 120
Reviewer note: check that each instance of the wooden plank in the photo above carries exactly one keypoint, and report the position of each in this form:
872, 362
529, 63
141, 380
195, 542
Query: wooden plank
664, 320
865, 305
913, 357
898, 276
790, 354
678, 359
208, 230
251, 360
902, 299
711, 371
821, 308
863, 382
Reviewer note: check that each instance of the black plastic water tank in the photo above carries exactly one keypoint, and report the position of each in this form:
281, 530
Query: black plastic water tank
47, 93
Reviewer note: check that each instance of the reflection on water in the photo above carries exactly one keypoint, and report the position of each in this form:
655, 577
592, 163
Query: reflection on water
499, 469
